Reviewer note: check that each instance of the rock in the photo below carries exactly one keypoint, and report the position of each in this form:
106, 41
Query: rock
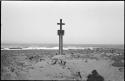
95, 76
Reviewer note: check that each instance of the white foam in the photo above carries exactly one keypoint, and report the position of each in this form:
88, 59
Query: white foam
47, 48
5, 49
39, 48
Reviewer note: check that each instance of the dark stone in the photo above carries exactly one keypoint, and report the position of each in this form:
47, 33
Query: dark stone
95, 76
79, 75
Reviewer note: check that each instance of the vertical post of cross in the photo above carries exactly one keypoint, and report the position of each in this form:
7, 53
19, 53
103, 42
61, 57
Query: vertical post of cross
60, 33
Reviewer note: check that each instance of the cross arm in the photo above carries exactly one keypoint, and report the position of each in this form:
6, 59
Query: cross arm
61, 23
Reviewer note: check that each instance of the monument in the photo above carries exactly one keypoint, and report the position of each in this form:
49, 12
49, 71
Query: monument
60, 33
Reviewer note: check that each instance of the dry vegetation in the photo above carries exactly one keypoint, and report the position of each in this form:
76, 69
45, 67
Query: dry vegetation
18, 64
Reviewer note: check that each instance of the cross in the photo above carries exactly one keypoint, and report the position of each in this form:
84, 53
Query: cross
60, 33
60, 24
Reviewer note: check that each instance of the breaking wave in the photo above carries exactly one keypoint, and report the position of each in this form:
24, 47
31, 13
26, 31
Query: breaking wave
45, 48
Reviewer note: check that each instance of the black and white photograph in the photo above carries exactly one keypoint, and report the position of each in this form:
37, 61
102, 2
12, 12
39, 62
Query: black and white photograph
62, 40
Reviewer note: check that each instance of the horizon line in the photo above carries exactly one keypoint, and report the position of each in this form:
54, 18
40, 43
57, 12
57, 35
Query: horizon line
64, 43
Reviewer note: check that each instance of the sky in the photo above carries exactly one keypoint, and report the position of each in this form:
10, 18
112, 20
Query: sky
86, 22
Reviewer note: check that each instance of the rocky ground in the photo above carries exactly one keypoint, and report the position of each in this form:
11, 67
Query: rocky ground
73, 65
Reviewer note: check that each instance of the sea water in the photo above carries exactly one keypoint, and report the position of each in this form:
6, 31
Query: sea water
56, 47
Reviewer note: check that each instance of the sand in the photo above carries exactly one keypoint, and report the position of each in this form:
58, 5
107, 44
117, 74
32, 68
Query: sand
46, 70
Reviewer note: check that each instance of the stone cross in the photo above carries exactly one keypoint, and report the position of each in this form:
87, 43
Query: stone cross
60, 33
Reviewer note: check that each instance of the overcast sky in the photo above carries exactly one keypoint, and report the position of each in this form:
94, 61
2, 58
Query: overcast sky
86, 22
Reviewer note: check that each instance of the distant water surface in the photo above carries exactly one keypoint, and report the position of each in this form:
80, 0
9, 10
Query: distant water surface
121, 46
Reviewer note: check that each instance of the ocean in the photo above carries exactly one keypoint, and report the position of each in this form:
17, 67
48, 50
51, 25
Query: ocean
55, 46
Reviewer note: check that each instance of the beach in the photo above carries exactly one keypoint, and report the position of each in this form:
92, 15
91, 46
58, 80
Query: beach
47, 64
